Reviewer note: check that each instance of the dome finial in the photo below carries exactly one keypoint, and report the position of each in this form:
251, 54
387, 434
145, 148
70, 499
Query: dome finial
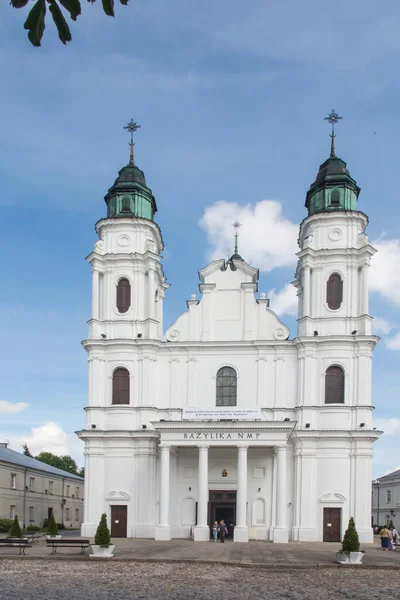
236, 226
333, 118
132, 127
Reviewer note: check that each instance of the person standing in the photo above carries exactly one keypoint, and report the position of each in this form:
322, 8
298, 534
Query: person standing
385, 538
215, 531
223, 531
395, 537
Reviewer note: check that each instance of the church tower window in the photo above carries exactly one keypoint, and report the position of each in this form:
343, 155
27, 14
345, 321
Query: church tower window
335, 198
334, 385
120, 391
334, 291
226, 387
123, 295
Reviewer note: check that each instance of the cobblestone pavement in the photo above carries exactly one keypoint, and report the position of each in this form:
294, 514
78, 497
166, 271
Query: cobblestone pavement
122, 580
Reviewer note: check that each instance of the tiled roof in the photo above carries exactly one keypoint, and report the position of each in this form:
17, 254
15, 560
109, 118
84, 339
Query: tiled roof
16, 458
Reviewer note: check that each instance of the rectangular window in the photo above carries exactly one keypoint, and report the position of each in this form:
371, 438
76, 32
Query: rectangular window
68, 491
77, 514
67, 514
32, 484
12, 511
31, 515
50, 487
77, 492
13, 481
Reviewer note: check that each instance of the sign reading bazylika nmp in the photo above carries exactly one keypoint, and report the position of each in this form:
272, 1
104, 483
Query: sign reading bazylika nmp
220, 413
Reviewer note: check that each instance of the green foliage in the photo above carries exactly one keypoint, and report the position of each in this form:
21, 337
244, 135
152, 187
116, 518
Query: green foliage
351, 543
390, 526
102, 537
15, 530
5, 525
60, 526
33, 528
52, 528
35, 22
66, 463
26, 450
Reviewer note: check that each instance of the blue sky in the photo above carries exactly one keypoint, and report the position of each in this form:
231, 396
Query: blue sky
231, 98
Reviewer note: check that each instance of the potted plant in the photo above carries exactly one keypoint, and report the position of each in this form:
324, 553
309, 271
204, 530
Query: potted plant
52, 529
350, 552
15, 531
102, 546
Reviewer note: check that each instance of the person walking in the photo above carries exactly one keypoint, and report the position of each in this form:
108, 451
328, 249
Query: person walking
385, 538
223, 531
215, 531
394, 536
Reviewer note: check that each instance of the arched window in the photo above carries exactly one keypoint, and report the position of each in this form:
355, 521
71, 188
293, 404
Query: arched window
388, 496
126, 204
334, 291
335, 198
123, 295
226, 387
120, 392
334, 386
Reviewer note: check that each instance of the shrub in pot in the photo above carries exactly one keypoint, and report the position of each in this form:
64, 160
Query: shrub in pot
350, 552
52, 529
33, 528
15, 531
102, 546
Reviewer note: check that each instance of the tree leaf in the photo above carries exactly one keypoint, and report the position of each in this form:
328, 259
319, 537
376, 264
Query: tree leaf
124, 2
35, 22
19, 3
73, 7
108, 7
62, 26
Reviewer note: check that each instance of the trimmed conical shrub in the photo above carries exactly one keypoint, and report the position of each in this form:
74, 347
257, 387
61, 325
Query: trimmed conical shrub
351, 543
15, 530
102, 537
391, 526
52, 528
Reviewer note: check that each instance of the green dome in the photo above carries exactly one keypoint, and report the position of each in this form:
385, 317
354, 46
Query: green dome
129, 196
333, 189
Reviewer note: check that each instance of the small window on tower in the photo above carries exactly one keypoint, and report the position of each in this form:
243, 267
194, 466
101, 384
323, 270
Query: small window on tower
121, 386
335, 198
123, 295
334, 385
126, 204
334, 291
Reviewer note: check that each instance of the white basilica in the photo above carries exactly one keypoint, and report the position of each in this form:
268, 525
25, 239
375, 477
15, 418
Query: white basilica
224, 416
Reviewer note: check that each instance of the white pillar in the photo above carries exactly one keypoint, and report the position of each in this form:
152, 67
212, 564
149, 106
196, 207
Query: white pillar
202, 530
364, 290
95, 294
241, 531
280, 531
163, 530
306, 292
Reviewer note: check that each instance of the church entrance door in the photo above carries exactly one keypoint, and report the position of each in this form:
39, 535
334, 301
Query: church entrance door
119, 521
332, 521
223, 506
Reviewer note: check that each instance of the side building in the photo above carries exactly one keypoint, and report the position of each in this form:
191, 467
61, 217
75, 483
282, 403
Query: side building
386, 499
33, 491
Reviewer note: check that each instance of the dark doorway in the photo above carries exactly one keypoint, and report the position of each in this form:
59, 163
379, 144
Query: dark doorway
332, 524
49, 512
223, 506
119, 521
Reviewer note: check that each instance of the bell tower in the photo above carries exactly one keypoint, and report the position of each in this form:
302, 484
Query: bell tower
128, 280
334, 257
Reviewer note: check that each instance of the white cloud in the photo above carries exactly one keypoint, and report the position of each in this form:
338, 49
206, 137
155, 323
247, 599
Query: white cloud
8, 408
284, 302
390, 426
50, 437
393, 343
267, 240
384, 271
381, 326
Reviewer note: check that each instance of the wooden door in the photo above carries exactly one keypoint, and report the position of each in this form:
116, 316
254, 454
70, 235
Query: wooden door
332, 524
119, 521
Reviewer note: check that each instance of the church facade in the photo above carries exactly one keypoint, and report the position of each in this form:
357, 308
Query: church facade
225, 417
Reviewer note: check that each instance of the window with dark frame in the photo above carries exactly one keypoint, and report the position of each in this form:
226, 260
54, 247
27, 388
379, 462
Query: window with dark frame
123, 295
335, 198
120, 392
334, 291
226, 387
334, 385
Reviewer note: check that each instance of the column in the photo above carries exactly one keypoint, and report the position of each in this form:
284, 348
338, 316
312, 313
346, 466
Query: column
241, 531
163, 530
95, 294
364, 291
306, 292
280, 531
202, 530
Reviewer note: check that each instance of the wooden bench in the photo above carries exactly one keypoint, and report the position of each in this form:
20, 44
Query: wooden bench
68, 543
20, 543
